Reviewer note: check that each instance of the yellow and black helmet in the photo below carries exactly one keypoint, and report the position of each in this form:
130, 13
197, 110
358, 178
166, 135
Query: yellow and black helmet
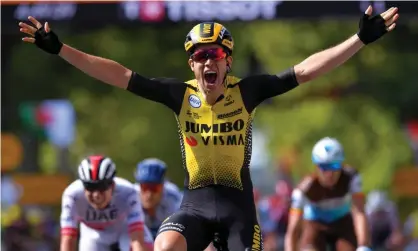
209, 33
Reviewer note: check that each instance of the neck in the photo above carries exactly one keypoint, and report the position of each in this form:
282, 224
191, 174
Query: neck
210, 96
150, 211
211, 99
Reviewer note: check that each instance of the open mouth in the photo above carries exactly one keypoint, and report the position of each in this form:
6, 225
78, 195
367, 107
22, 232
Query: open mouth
210, 77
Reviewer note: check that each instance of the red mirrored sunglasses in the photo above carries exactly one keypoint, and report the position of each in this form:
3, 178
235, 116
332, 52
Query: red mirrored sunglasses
151, 187
205, 54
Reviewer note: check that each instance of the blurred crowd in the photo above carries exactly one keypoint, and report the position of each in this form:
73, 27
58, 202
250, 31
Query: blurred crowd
32, 228
29, 227
36, 228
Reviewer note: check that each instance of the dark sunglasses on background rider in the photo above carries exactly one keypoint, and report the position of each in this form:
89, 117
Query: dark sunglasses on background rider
99, 186
201, 55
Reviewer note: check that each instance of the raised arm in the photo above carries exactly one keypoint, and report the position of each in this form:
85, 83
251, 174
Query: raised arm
166, 91
370, 29
105, 70
102, 69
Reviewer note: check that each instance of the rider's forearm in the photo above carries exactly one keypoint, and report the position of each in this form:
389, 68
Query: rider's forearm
325, 61
68, 243
361, 228
290, 242
136, 246
102, 69
137, 241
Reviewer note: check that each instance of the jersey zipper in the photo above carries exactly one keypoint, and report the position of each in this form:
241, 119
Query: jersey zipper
213, 147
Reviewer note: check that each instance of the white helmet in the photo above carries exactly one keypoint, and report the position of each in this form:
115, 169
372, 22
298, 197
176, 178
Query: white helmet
327, 151
96, 170
376, 200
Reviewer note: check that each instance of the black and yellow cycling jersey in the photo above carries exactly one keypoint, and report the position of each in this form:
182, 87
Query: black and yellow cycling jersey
216, 147
215, 139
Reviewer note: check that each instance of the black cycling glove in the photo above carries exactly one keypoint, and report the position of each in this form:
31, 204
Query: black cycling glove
371, 28
47, 41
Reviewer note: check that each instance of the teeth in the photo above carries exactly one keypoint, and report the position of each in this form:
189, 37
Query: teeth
210, 72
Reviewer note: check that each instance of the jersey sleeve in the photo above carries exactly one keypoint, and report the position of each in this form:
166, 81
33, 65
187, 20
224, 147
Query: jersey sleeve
298, 201
173, 195
135, 216
256, 89
409, 226
68, 218
356, 184
393, 215
166, 91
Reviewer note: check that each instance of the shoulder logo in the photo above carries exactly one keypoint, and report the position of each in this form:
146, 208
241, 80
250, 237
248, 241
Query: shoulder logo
194, 101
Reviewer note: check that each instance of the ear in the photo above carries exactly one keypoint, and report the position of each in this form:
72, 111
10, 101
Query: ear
191, 64
229, 61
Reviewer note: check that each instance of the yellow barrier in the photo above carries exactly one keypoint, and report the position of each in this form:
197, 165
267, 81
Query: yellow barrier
41, 189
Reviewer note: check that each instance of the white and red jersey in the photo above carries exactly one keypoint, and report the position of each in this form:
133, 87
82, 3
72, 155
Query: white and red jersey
123, 215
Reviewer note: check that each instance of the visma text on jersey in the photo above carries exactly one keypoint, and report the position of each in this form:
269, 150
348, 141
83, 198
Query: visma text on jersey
217, 133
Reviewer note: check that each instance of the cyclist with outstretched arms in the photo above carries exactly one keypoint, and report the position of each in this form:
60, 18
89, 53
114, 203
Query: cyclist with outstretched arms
159, 197
329, 204
214, 113
106, 208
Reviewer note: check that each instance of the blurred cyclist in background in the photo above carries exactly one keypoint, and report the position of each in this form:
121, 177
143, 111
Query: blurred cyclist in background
411, 231
160, 198
106, 208
385, 226
274, 213
330, 203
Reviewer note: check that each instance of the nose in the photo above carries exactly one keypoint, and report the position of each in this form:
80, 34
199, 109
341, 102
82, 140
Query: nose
209, 62
147, 194
96, 194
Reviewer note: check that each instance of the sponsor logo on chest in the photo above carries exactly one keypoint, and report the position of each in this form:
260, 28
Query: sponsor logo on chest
334, 202
106, 215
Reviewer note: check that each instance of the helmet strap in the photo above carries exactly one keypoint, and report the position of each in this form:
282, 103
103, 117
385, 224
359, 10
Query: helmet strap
228, 70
